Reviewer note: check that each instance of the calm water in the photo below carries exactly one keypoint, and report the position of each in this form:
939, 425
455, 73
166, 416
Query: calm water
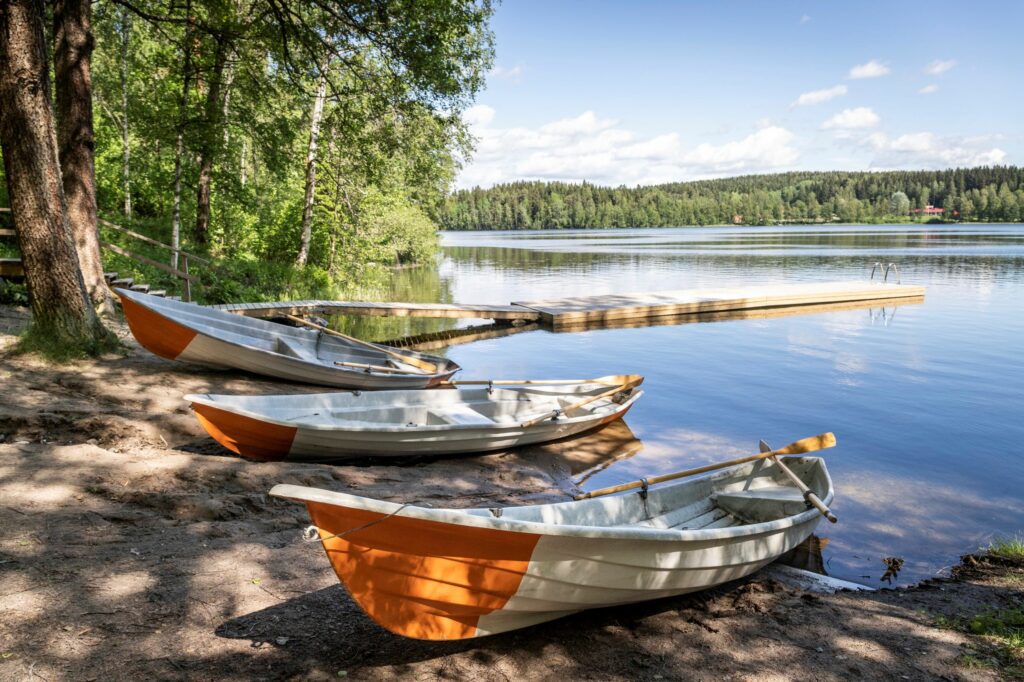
927, 400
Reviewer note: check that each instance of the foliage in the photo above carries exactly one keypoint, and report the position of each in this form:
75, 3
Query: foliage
973, 194
399, 77
12, 293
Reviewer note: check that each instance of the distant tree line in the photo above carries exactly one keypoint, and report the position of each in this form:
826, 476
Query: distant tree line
984, 194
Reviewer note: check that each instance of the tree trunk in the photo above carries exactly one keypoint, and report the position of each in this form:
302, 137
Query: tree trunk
179, 145
208, 145
73, 43
126, 28
307, 207
61, 312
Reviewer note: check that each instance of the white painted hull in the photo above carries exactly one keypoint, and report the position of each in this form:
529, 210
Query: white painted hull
329, 426
453, 574
193, 333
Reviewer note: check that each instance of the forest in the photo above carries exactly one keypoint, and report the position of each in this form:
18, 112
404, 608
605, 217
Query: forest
985, 194
300, 146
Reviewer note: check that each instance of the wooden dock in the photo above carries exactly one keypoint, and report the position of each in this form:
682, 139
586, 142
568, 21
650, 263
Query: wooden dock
618, 310
446, 310
621, 309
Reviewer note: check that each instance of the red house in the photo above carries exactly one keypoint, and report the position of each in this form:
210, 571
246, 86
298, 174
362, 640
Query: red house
928, 210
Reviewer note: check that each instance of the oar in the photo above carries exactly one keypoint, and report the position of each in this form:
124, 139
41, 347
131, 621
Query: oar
368, 368
586, 401
819, 442
809, 495
407, 359
611, 380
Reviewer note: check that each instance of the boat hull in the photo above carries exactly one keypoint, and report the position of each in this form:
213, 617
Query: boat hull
445, 574
254, 433
192, 333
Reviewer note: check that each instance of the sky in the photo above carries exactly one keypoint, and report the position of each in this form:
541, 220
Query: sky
644, 92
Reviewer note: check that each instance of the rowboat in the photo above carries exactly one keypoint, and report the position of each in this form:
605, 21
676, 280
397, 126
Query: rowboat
207, 336
459, 573
329, 426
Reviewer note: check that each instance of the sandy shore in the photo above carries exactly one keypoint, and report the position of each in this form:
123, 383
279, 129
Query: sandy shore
133, 547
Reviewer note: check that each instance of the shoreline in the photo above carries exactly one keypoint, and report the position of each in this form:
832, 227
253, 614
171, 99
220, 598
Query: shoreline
133, 546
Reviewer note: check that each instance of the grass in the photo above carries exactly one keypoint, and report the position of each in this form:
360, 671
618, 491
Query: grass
1002, 631
1007, 548
47, 342
1004, 628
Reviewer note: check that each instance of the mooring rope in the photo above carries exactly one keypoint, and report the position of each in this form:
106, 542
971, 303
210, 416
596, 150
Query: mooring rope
312, 533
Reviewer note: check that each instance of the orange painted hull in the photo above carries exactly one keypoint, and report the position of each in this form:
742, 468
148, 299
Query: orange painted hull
423, 579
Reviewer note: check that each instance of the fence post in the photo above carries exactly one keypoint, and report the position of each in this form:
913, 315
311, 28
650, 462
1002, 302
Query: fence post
187, 292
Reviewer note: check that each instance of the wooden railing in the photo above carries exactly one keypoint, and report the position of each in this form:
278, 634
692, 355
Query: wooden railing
4, 232
187, 278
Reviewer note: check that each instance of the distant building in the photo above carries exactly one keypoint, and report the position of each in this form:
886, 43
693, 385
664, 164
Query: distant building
737, 219
928, 210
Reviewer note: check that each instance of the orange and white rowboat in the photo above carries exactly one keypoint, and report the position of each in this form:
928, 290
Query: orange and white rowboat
455, 574
207, 336
330, 426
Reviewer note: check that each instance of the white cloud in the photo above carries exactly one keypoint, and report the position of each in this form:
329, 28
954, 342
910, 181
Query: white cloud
852, 119
928, 150
929, 89
478, 115
819, 96
940, 66
513, 74
586, 123
588, 147
872, 69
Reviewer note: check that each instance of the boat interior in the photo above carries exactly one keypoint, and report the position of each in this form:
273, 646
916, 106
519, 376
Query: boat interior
302, 344
744, 495
465, 407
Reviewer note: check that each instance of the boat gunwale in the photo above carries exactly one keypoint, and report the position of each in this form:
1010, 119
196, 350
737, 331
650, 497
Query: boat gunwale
462, 517
451, 365
431, 428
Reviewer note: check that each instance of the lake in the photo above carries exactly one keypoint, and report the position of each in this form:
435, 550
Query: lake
926, 400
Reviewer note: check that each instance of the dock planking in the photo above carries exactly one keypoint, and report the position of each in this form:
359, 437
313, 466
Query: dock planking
616, 310
435, 310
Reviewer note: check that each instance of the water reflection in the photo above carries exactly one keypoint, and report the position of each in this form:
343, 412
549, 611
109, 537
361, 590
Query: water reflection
926, 403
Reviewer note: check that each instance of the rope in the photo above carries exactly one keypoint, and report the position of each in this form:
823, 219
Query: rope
312, 533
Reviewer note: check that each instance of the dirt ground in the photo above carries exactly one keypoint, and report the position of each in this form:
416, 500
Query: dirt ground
133, 547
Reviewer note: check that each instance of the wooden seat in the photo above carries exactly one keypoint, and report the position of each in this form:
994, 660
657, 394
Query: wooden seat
294, 348
762, 504
462, 415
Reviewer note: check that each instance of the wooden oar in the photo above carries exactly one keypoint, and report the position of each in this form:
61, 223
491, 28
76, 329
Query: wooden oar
407, 359
809, 495
368, 368
611, 380
586, 401
819, 442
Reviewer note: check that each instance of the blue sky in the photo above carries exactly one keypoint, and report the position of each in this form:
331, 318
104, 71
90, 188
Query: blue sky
646, 92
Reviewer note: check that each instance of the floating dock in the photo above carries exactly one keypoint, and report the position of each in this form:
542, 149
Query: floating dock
446, 310
619, 310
